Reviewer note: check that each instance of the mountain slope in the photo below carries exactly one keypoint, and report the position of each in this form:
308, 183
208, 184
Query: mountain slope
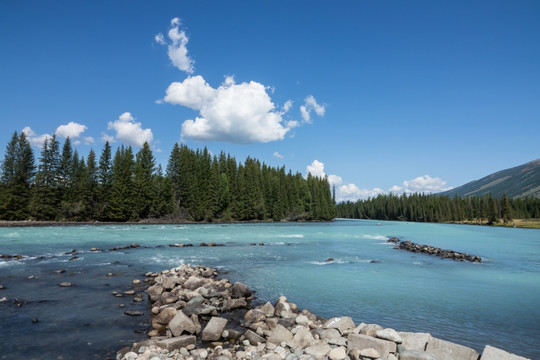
517, 182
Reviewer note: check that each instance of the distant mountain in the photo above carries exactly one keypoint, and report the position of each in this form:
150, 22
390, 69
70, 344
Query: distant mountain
518, 182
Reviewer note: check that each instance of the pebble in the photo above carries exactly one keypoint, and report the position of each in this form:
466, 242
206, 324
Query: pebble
59, 271
65, 284
2, 287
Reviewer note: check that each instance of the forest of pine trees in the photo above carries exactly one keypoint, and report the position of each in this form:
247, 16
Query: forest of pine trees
438, 208
128, 186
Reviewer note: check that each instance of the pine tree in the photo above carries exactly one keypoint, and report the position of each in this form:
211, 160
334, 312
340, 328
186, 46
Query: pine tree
104, 182
16, 177
121, 206
46, 194
143, 182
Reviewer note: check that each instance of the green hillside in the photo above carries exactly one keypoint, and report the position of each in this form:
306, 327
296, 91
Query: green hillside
517, 182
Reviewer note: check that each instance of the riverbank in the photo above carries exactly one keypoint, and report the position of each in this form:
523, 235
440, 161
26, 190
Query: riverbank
515, 223
198, 315
36, 223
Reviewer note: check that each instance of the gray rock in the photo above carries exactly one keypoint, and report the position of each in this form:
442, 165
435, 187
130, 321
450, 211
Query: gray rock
254, 315
196, 300
168, 298
359, 341
302, 320
318, 350
291, 356
282, 308
214, 329
417, 355
253, 338
170, 282
198, 309
232, 304
65, 284
280, 334
342, 324
268, 309
370, 329
154, 292
166, 315
181, 323
302, 339
389, 334
446, 350
369, 353
193, 283
329, 334
133, 313
414, 341
240, 290
338, 353
176, 343
492, 353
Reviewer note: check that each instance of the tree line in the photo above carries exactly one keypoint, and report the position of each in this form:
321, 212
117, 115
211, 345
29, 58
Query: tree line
440, 208
129, 186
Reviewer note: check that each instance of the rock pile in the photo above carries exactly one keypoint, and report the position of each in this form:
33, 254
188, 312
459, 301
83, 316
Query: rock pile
197, 316
431, 250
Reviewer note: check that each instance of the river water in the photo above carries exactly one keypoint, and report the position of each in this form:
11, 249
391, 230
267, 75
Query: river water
496, 302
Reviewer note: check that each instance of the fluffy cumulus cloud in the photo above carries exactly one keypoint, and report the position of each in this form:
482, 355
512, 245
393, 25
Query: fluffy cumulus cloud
176, 46
74, 131
421, 184
316, 168
35, 139
237, 113
128, 131
310, 104
351, 192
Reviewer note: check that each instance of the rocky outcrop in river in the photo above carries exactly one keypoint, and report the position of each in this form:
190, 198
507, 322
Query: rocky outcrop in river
431, 250
198, 316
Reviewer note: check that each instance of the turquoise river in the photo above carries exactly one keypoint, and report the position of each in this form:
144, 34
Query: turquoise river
496, 302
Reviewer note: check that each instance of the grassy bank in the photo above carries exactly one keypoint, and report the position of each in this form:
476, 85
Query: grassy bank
515, 223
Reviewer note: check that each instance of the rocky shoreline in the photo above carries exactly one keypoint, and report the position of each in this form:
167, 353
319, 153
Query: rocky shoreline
431, 250
198, 316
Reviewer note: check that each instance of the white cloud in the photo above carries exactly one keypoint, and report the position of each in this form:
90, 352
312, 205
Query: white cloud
106, 137
129, 131
278, 155
74, 131
237, 113
160, 39
334, 179
421, 184
316, 169
351, 192
287, 106
176, 48
311, 105
35, 139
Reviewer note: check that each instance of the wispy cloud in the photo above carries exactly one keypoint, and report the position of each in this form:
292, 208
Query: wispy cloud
177, 46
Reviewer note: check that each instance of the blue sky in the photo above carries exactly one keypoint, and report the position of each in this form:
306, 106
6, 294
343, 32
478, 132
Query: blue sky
378, 95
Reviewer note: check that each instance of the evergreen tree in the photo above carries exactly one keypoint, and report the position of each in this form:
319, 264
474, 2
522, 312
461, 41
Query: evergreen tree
144, 181
104, 182
16, 178
46, 194
122, 198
